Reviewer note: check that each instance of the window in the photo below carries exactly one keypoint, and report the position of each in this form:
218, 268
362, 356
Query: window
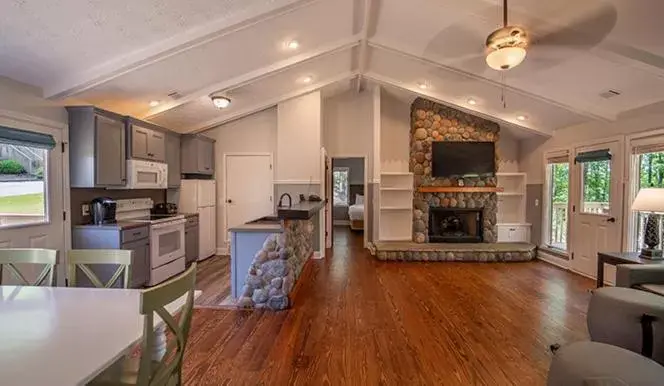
595, 182
557, 202
23, 171
340, 189
648, 165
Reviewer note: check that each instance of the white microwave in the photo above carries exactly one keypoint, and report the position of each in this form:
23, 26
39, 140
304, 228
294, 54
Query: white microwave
146, 175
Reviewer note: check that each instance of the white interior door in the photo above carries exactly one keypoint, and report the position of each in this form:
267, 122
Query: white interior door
597, 208
31, 212
249, 190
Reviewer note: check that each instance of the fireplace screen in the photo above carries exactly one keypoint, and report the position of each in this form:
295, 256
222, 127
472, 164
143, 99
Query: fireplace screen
455, 225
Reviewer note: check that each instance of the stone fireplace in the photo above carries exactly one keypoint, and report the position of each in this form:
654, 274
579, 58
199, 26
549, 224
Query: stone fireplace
432, 122
455, 225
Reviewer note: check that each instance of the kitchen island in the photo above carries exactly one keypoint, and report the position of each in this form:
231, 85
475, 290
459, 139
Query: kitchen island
269, 253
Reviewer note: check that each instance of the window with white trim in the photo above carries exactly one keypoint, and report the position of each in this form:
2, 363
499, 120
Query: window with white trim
556, 201
23, 177
340, 188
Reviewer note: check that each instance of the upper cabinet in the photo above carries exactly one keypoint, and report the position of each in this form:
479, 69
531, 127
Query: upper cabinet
173, 159
97, 156
197, 155
146, 141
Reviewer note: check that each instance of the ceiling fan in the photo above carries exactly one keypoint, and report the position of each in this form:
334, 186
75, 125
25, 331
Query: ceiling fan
506, 46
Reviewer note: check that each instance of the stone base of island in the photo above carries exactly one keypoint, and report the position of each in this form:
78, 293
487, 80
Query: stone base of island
268, 255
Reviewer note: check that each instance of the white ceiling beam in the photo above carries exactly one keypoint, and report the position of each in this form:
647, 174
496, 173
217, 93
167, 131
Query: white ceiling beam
269, 103
368, 29
540, 98
436, 98
67, 86
256, 75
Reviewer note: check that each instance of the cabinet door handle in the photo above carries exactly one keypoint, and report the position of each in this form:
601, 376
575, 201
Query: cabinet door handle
136, 233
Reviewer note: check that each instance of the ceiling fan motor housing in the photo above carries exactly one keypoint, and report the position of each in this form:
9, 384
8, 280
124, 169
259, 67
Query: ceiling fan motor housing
507, 37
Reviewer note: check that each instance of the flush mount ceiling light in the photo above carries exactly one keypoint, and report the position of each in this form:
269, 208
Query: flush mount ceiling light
154, 103
307, 79
472, 102
220, 102
292, 44
521, 118
424, 85
506, 46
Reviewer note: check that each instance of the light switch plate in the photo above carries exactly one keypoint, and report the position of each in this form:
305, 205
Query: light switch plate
85, 210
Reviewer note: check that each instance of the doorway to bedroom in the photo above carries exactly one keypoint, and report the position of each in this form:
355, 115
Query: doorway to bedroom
348, 196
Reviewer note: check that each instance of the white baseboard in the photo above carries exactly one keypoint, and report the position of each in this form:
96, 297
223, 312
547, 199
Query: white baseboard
223, 251
317, 255
341, 223
553, 260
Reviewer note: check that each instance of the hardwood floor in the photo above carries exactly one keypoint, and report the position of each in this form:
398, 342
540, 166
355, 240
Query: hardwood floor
213, 278
358, 321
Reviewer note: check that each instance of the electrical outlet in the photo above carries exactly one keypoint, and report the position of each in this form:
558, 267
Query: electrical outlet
85, 210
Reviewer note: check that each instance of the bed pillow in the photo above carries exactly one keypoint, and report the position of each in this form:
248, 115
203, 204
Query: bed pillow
359, 199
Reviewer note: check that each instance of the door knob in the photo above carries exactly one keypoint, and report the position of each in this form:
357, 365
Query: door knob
229, 201
611, 219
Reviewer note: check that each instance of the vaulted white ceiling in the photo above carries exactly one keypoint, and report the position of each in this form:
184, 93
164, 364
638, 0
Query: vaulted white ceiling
122, 54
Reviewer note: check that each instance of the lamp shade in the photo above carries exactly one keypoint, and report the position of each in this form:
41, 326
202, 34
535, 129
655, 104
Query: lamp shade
649, 200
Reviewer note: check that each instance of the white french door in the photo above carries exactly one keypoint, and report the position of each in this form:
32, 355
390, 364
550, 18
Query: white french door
32, 212
597, 205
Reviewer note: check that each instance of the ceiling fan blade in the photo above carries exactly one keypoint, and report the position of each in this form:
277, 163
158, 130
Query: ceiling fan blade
584, 32
454, 43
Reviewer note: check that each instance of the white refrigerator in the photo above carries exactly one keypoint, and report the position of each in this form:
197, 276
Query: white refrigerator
199, 196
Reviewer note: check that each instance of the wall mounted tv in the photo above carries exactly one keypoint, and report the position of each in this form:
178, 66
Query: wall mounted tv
463, 159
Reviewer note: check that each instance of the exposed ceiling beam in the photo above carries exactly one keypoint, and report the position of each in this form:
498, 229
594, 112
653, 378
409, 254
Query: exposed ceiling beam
368, 29
67, 86
492, 82
431, 96
269, 103
256, 75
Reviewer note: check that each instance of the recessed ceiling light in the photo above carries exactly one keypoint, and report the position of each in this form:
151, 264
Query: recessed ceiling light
221, 102
292, 44
521, 118
423, 85
154, 103
472, 102
307, 79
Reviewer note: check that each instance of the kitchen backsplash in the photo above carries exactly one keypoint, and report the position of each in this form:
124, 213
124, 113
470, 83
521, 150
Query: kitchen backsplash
84, 196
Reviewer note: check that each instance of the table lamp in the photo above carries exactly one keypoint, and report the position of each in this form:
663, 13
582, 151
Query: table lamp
650, 200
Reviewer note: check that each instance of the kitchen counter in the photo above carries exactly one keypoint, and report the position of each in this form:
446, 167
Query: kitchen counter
303, 210
188, 215
118, 225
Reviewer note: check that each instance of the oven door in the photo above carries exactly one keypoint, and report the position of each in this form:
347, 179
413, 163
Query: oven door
166, 242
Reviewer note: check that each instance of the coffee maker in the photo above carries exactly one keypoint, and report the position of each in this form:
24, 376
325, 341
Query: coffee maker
102, 210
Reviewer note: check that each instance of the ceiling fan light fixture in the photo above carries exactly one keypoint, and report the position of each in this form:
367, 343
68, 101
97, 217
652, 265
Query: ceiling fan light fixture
221, 102
505, 58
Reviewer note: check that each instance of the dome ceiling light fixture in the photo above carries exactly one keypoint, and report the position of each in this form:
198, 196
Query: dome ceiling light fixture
506, 46
220, 102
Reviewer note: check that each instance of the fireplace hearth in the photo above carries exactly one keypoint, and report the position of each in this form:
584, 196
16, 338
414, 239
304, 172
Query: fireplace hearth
456, 225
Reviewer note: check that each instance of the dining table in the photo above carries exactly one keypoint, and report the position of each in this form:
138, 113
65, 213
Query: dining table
62, 336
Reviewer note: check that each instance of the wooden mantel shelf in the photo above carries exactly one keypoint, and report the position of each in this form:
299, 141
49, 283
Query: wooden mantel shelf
459, 189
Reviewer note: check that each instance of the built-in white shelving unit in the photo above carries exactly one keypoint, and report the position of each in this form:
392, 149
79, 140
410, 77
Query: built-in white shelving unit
512, 226
396, 206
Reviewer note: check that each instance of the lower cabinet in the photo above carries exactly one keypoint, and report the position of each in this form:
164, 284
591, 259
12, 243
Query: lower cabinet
513, 233
140, 263
191, 244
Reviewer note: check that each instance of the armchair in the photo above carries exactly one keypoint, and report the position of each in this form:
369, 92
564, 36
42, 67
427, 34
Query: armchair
644, 277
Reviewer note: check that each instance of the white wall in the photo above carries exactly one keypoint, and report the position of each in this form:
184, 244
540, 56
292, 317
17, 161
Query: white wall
532, 151
255, 133
299, 122
508, 153
395, 133
348, 126
25, 99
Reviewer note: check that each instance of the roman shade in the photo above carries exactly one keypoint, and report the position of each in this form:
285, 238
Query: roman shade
591, 156
18, 137
557, 157
653, 144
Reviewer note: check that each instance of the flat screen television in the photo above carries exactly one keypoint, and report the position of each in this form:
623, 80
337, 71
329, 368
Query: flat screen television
463, 159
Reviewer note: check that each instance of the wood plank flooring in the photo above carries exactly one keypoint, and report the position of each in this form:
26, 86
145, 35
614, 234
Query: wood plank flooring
358, 321
213, 278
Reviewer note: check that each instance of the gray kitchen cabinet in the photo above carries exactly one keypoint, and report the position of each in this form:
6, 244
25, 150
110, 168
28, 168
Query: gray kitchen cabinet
97, 155
197, 155
146, 141
191, 247
135, 239
173, 159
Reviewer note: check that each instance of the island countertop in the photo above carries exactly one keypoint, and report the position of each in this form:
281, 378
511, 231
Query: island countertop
303, 210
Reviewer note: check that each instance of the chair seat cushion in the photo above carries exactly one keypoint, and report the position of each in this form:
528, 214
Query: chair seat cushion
654, 288
589, 363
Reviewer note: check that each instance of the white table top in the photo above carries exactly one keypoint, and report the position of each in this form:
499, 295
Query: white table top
66, 336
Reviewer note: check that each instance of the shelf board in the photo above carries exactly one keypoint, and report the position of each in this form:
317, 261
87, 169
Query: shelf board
397, 189
396, 208
459, 189
513, 174
510, 194
396, 173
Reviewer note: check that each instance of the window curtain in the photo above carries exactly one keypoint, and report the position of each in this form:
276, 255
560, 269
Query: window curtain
557, 157
591, 156
18, 137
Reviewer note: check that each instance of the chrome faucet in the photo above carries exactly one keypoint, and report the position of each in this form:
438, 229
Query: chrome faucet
290, 200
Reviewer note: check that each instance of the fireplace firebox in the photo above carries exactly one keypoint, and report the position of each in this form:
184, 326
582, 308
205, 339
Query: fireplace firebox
454, 225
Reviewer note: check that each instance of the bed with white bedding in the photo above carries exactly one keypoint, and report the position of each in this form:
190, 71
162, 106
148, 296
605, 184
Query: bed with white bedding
356, 213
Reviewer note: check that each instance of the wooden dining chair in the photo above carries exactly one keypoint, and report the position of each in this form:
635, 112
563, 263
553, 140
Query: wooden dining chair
47, 257
82, 259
